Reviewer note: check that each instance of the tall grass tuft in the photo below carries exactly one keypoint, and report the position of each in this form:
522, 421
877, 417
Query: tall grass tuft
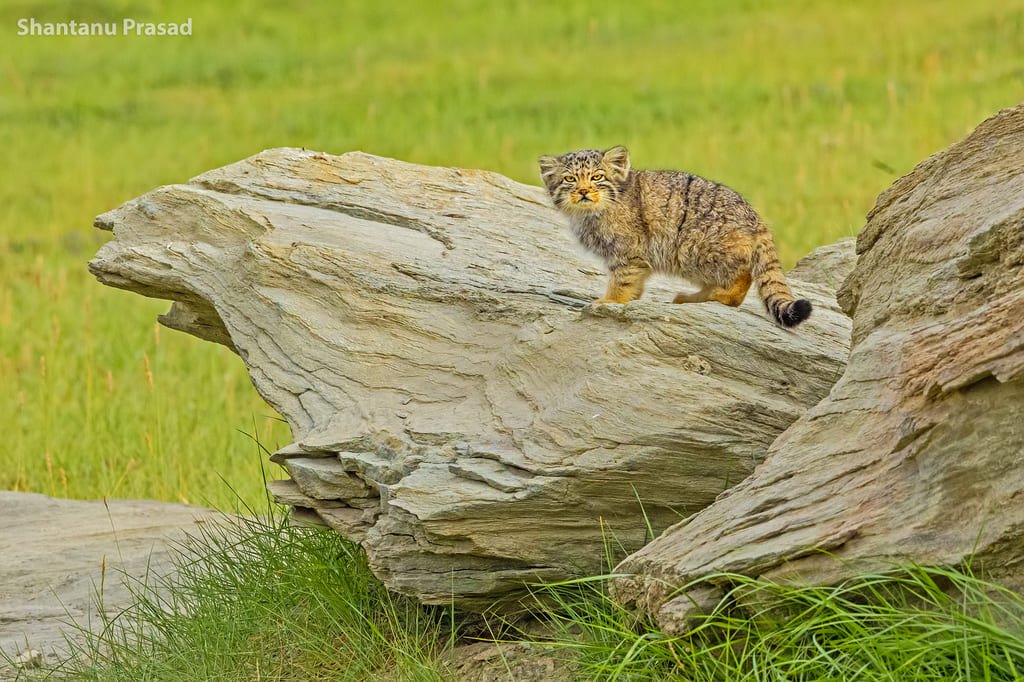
254, 598
914, 623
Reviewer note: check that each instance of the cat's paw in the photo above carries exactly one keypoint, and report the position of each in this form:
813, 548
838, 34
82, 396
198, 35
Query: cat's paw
604, 301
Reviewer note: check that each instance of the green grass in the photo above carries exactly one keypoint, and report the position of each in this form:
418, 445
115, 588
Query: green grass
809, 108
912, 623
258, 600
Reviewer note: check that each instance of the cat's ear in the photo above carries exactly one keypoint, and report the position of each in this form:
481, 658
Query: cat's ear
617, 161
549, 169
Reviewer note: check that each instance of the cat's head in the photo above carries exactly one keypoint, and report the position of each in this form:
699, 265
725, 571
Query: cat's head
586, 180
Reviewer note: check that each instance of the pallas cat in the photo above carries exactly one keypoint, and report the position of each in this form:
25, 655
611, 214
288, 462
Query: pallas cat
646, 221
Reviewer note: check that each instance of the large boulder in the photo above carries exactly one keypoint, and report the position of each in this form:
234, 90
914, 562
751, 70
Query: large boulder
917, 454
455, 405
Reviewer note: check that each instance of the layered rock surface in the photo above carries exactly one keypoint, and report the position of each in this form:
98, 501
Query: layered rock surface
917, 454
455, 405
65, 559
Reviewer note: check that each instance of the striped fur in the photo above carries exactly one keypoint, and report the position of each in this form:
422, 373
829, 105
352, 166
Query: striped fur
643, 222
771, 284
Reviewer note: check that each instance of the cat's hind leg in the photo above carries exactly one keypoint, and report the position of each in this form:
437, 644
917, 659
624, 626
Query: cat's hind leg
732, 295
698, 296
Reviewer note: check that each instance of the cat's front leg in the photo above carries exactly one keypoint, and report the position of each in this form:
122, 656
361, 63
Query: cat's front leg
626, 282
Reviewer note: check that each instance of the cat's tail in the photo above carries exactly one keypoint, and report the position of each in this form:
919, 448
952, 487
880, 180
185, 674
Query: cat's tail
771, 284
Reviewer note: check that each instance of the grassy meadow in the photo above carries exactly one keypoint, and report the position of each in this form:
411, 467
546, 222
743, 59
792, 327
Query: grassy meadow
809, 108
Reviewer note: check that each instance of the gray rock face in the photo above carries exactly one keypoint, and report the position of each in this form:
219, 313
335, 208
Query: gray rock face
455, 407
503, 661
918, 451
59, 555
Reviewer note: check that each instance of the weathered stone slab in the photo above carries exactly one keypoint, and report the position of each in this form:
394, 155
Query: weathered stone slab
58, 555
426, 329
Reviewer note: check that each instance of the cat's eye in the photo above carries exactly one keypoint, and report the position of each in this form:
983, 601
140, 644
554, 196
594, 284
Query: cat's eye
568, 178
597, 177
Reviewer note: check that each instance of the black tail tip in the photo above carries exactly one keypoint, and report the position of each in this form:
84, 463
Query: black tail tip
795, 313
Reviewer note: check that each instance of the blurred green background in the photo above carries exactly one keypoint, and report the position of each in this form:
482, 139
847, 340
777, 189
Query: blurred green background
809, 108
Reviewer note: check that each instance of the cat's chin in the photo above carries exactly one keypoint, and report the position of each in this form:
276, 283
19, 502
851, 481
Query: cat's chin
584, 207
